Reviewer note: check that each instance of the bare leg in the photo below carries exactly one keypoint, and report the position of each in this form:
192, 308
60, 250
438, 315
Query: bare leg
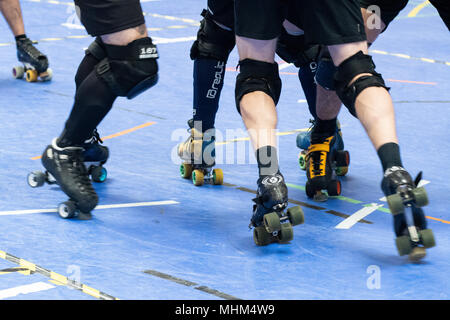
124, 37
13, 15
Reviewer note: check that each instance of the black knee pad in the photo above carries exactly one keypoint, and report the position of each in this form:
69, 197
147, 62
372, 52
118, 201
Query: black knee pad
257, 76
129, 70
212, 41
355, 65
293, 49
93, 55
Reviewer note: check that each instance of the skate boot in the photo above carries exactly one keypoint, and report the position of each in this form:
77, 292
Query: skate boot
198, 155
270, 222
95, 156
321, 162
304, 141
35, 63
405, 201
65, 167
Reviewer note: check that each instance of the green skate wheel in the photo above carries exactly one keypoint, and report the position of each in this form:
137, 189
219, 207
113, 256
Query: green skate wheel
67, 210
421, 197
198, 178
427, 237
286, 233
403, 244
302, 160
296, 215
261, 236
334, 188
272, 222
98, 174
341, 171
36, 179
217, 176
186, 170
395, 203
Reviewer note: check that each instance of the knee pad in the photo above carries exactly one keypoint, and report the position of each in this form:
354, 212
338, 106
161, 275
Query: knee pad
257, 76
93, 55
293, 49
129, 70
212, 41
355, 65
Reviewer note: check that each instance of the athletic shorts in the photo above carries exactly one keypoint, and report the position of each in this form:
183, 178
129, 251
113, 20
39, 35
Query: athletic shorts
101, 17
222, 11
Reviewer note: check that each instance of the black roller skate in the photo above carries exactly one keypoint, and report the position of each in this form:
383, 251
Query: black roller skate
270, 222
65, 167
322, 160
410, 228
198, 154
304, 141
95, 156
35, 63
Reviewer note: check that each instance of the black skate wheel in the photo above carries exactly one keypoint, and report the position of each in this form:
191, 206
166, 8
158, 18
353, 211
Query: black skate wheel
395, 203
217, 177
334, 188
198, 178
18, 72
67, 210
272, 222
342, 158
286, 233
98, 173
186, 170
261, 237
310, 191
36, 179
296, 215
403, 244
420, 196
427, 237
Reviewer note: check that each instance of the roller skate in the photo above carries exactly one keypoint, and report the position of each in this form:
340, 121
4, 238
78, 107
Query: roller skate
304, 141
198, 155
322, 159
270, 222
405, 202
65, 167
35, 63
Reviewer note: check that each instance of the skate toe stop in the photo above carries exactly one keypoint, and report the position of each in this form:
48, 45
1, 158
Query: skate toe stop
84, 216
417, 254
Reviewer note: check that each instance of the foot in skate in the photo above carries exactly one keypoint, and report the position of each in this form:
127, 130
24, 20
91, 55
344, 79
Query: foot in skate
35, 63
405, 201
198, 155
66, 167
269, 220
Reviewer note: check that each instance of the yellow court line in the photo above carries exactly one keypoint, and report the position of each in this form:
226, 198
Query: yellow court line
417, 9
115, 135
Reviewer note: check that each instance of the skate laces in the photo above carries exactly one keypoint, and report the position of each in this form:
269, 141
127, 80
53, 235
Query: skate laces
76, 168
317, 153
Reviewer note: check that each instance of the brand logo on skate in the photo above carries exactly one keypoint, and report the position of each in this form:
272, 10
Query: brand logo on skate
272, 180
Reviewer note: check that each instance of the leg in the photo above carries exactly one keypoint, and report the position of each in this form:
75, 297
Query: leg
13, 14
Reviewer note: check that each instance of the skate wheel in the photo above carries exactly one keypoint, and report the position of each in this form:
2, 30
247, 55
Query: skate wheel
303, 140
302, 160
31, 76
47, 75
334, 188
198, 178
36, 179
310, 192
395, 203
286, 233
261, 237
186, 170
403, 244
18, 72
272, 222
98, 174
427, 237
421, 197
342, 158
341, 171
296, 215
217, 176
67, 210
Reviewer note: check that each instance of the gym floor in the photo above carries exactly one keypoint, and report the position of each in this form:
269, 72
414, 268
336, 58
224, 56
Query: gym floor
157, 236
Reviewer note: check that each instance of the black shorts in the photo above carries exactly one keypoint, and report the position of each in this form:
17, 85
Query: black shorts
222, 11
109, 16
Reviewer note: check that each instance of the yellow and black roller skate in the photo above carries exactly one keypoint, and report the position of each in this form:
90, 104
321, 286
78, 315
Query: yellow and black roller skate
321, 163
405, 201
269, 220
198, 155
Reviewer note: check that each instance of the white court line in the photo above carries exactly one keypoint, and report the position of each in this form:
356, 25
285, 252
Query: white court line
100, 207
284, 65
358, 215
29, 288
421, 184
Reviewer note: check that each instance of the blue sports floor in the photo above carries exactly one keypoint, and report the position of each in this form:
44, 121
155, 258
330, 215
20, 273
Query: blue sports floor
171, 240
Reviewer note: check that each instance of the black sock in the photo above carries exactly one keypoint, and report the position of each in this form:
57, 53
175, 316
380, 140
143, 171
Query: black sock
21, 37
389, 154
267, 158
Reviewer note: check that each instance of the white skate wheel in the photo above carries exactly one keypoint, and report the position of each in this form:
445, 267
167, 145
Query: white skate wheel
67, 210
36, 179
18, 72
